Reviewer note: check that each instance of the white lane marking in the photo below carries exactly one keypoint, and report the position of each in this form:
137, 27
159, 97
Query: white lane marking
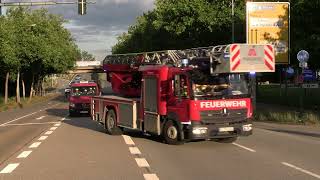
42, 138
246, 148
63, 119
35, 145
128, 140
53, 128
48, 132
150, 177
9, 168
142, 162
301, 170
25, 124
16, 119
134, 150
24, 154
57, 124
41, 117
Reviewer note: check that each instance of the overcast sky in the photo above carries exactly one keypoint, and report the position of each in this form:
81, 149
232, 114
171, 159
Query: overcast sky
96, 32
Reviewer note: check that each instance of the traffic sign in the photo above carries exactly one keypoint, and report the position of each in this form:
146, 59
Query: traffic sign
303, 56
307, 86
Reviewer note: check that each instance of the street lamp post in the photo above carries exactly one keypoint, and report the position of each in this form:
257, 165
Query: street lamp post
232, 4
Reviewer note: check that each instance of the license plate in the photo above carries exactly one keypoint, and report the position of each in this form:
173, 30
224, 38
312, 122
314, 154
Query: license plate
83, 111
225, 129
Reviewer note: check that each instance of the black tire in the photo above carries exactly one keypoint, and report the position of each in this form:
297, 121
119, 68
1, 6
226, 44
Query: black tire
171, 133
72, 114
226, 140
110, 123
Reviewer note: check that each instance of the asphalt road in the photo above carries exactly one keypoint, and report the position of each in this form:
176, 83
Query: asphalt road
48, 145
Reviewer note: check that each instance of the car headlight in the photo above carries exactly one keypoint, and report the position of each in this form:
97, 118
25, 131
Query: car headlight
199, 130
247, 127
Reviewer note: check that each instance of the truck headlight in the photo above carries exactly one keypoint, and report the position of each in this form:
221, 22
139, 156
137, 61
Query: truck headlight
72, 105
199, 130
247, 127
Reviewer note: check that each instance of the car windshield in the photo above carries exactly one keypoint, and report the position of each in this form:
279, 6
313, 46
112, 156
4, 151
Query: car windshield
204, 85
84, 91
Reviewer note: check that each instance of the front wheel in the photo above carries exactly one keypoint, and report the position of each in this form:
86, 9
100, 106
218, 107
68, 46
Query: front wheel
111, 123
171, 133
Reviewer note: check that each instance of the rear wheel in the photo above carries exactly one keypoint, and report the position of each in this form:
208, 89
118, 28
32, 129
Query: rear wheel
226, 140
72, 114
111, 123
171, 133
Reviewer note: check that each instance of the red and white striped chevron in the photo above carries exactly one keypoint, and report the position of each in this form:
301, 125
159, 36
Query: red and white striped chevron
234, 56
269, 57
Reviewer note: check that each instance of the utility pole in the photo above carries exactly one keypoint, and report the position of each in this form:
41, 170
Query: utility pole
232, 4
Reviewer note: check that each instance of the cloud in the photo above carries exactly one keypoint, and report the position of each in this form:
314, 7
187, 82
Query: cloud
96, 32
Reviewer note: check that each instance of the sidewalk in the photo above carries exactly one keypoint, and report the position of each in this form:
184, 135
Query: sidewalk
313, 131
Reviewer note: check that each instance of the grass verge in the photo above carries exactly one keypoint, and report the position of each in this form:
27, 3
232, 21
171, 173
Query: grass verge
286, 115
24, 103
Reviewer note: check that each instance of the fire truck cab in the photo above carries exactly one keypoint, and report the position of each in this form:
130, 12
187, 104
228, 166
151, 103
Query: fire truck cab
193, 97
80, 94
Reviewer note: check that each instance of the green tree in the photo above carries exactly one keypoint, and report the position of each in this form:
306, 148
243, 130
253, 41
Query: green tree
35, 45
85, 56
178, 24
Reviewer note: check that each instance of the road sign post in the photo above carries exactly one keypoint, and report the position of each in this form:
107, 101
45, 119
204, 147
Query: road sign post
303, 57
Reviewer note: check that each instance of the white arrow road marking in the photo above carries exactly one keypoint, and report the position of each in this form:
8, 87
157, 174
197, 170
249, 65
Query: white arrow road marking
16, 119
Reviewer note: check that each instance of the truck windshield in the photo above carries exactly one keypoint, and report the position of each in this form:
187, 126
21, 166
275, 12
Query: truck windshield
83, 91
204, 85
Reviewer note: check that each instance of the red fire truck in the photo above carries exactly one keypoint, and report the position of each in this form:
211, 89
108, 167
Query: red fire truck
199, 93
80, 94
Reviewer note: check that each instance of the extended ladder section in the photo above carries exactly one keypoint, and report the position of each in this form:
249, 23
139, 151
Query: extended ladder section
221, 58
173, 57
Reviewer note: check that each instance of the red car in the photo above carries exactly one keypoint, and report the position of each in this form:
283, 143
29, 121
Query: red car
80, 96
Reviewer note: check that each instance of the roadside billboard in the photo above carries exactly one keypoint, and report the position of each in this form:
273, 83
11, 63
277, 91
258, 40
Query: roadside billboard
269, 23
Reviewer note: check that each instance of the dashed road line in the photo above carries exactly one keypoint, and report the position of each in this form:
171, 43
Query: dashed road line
53, 128
301, 170
142, 162
9, 168
41, 117
150, 177
48, 132
42, 138
128, 140
16, 119
57, 124
243, 147
24, 154
25, 124
35, 145
134, 150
